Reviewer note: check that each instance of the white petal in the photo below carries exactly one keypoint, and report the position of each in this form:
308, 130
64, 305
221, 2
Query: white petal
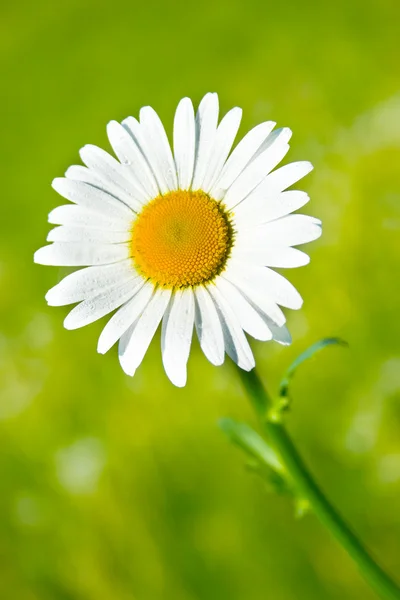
89, 282
279, 289
236, 344
284, 177
250, 320
224, 139
71, 214
282, 291
240, 157
208, 327
97, 307
292, 230
246, 278
90, 197
135, 341
257, 171
124, 317
130, 155
176, 336
87, 234
206, 128
158, 149
271, 256
135, 130
259, 208
113, 175
71, 254
184, 142
80, 173
281, 334
277, 133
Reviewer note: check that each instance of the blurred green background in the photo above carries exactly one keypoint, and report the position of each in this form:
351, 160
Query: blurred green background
124, 489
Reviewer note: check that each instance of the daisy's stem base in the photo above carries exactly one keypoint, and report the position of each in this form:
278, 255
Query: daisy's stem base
306, 486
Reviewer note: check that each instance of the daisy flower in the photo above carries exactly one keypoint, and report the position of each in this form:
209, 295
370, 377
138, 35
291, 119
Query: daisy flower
189, 237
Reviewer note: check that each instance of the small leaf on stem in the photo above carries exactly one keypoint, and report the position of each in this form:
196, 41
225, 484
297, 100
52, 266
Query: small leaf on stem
251, 442
306, 355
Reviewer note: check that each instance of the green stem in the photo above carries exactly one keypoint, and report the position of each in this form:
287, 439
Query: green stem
308, 488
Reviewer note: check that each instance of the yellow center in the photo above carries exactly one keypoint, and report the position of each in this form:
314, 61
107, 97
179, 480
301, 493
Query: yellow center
181, 239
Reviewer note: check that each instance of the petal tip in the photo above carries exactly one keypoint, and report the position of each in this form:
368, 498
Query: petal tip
102, 346
50, 298
40, 256
57, 183
130, 371
247, 366
146, 111
218, 361
69, 324
179, 383
69, 172
287, 132
127, 368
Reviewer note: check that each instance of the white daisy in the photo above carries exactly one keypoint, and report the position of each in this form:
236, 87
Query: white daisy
187, 237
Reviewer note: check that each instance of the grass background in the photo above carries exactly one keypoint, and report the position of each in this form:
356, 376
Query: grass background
124, 489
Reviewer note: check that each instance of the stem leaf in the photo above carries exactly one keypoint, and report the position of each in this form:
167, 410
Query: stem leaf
304, 356
252, 443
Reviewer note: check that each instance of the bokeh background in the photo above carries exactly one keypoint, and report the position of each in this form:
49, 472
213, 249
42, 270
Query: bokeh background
114, 488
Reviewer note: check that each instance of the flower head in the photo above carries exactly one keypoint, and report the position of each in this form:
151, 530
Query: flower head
188, 237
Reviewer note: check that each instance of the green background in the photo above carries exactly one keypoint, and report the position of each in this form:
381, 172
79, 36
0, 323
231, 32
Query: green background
124, 489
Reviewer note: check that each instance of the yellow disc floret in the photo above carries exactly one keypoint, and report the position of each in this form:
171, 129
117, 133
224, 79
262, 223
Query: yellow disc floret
181, 239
